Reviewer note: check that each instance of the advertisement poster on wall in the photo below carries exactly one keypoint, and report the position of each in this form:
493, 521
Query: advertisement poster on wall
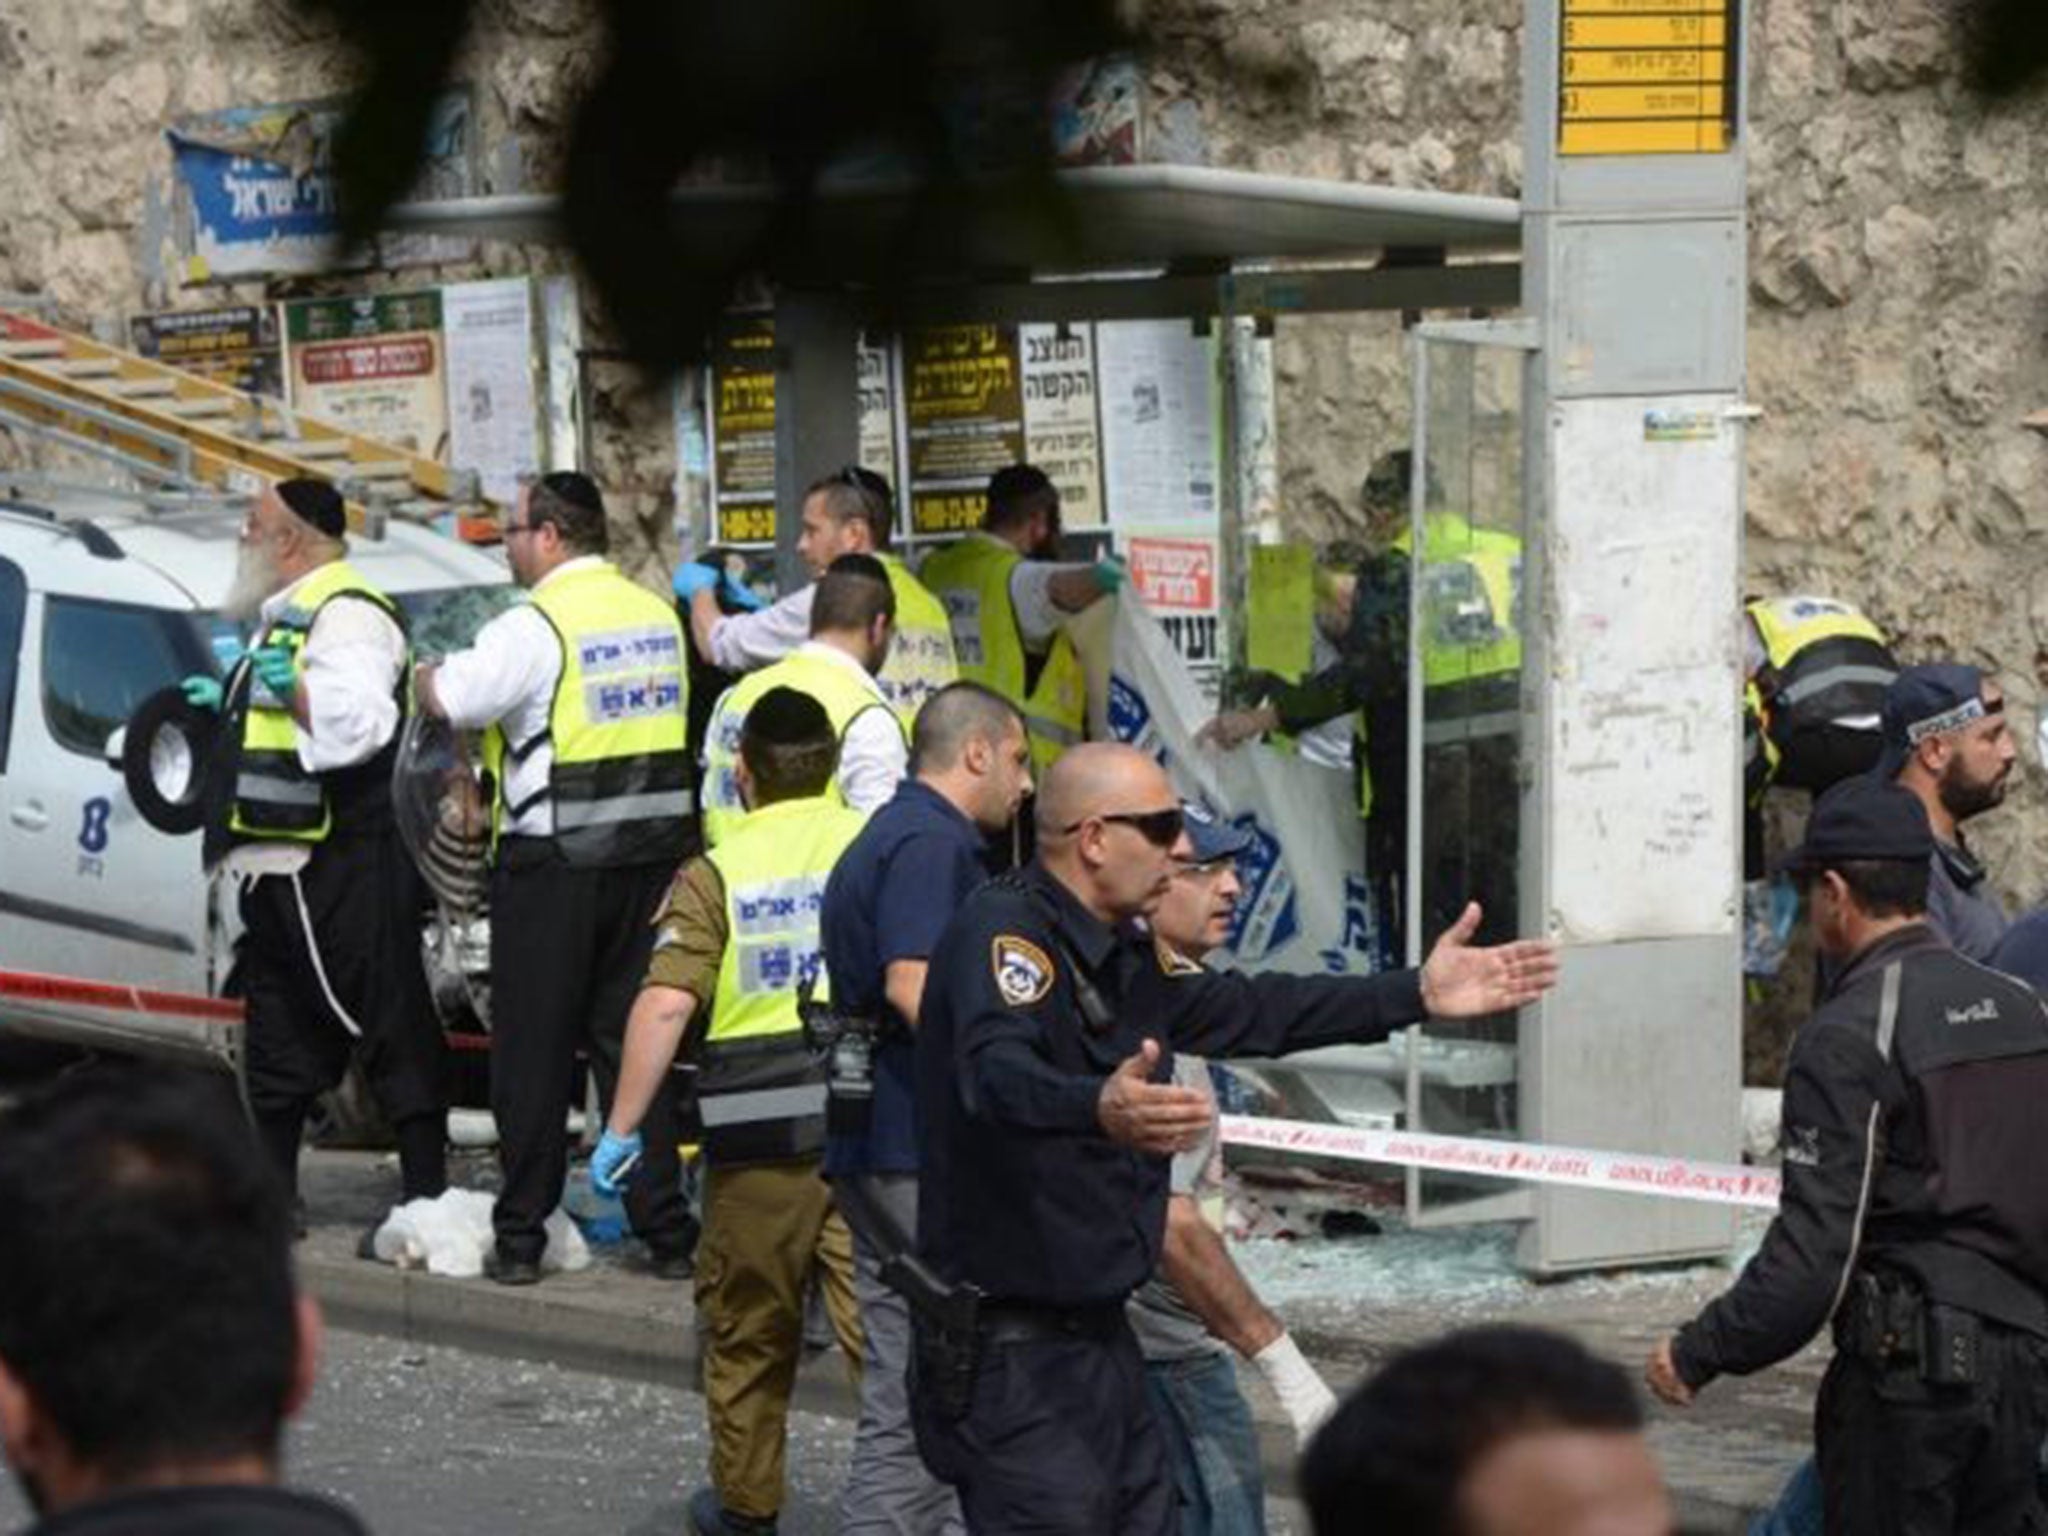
375, 365
1159, 455
254, 191
963, 404
741, 397
1175, 571
493, 407
743, 432
236, 346
1061, 433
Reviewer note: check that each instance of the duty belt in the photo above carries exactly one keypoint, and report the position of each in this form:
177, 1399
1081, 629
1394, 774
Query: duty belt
1010, 1322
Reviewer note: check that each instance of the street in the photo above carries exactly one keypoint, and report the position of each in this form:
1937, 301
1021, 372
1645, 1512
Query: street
423, 1440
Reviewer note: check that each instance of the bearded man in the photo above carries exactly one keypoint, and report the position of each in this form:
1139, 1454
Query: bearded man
1946, 740
299, 815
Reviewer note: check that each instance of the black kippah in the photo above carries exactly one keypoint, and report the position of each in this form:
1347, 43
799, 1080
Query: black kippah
782, 717
316, 502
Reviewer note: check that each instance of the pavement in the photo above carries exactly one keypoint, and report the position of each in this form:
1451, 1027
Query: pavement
1724, 1459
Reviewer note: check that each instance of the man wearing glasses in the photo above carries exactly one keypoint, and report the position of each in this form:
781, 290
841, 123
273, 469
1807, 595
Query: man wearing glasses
580, 693
846, 513
1043, 1055
1199, 1307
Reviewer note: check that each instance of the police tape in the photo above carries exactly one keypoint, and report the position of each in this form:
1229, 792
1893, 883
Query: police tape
1627, 1173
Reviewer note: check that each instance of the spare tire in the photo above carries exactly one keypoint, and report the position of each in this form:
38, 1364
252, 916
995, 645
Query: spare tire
170, 741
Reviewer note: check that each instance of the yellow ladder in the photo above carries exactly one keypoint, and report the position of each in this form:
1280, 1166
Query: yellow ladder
158, 419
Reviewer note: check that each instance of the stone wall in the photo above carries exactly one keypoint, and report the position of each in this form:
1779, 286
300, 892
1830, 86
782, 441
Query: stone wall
1899, 256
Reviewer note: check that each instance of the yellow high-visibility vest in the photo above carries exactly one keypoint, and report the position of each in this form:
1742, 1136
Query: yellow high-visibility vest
275, 798
920, 660
972, 579
1467, 600
620, 781
837, 691
760, 1092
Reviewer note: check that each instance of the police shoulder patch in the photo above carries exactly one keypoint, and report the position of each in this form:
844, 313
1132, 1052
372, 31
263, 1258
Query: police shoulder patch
1023, 971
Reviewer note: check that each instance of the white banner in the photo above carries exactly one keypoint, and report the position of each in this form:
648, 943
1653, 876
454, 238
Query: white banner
1628, 1173
1306, 907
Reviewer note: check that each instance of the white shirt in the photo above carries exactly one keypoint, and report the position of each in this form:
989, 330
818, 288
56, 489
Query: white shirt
507, 678
872, 757
350, 666
746, 642
1038, 617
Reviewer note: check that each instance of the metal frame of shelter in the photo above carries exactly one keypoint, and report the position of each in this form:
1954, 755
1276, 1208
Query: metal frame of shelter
1625, 261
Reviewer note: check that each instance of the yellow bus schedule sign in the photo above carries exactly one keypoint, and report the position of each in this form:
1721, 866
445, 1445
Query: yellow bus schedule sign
1646, 77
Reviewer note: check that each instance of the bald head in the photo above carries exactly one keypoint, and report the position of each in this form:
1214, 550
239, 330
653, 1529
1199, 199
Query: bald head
1096, 779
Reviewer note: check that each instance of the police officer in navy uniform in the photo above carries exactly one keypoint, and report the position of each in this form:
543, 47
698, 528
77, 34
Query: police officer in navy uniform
1047, 1118
1914, 1215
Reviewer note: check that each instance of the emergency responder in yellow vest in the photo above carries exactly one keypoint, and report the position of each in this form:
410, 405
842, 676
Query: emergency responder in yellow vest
1467, 602
300, 798
852, 633
1815, 674
1005, 598
581, 693
740, 932
848, 513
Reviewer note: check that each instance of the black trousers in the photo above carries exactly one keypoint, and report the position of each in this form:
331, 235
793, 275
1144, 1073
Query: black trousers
569, 949
1059, 1440
330, 964
1899, 1457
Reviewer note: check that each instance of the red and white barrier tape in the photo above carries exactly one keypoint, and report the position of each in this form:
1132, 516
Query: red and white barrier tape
119, 997
1629, 1173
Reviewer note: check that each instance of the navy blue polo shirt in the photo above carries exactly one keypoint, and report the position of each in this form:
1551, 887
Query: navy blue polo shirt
890, 897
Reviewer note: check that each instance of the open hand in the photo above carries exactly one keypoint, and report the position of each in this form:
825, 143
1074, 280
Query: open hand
1460, 981
1234, 727
1152, 1117
1662, 1375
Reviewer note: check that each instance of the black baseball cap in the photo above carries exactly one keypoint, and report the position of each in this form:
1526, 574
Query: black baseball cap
1929, 700
1863, 819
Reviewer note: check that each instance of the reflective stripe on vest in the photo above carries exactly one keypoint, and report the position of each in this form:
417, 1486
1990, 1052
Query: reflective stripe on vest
972, 580
1823, 662
842, 696
920, 660
275, 797
760, 1092
1467, 600
620, 781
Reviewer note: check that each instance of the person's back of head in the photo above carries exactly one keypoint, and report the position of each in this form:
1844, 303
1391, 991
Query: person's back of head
1015, 492
971, 746
787, 751
1484, 1432
851, 595
854, 607
150, 1329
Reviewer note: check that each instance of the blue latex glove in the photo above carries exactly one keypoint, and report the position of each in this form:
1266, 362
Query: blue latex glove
616, 1156
277, 668
1111, 573
693, 577
202, 692
739, 593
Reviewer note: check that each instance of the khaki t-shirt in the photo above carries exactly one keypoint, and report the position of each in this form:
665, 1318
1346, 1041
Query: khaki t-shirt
690, 932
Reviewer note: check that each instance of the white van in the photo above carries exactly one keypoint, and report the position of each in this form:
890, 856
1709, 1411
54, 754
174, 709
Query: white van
106, 598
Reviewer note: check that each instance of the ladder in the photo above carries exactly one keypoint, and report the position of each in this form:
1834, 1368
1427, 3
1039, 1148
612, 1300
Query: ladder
173, 427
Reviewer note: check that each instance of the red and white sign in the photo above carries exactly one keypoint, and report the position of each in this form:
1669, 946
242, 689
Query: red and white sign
1174, 573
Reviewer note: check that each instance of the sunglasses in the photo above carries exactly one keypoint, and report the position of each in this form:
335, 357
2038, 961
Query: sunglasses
1162, 829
